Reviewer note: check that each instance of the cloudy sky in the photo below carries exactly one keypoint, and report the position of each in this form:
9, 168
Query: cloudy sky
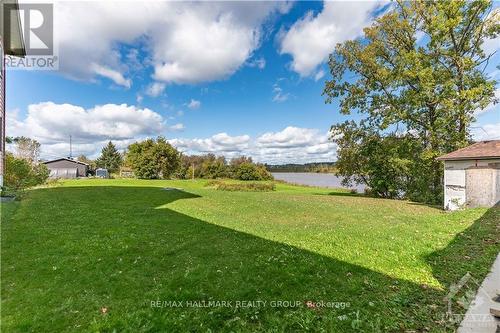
229, 78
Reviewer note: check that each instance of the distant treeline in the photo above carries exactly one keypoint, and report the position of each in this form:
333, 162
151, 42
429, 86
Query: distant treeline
321, 167
158, 159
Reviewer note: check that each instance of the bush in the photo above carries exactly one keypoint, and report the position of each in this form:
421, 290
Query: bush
242, 186
153, 159
250, 171
21, 174
214, 169
210, 166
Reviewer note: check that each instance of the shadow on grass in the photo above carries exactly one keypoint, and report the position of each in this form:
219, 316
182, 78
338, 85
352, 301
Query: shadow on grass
473, 251
69, 252
347, 194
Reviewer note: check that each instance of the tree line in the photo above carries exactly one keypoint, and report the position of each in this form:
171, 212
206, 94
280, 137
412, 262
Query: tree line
148, 159
158, 159
315, 167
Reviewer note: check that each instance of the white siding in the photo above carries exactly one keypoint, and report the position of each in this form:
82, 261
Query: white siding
454, 181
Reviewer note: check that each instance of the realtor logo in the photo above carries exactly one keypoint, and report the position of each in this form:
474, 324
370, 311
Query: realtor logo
28, 31
467, 293
37, 25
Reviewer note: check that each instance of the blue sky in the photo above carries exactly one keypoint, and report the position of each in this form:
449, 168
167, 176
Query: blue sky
229, 78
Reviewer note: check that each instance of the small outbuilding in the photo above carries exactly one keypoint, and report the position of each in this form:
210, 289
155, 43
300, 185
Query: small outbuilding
472, 176
66, 168
101, 173
126, 172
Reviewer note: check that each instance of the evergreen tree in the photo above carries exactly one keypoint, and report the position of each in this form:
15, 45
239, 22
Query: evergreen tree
110, 158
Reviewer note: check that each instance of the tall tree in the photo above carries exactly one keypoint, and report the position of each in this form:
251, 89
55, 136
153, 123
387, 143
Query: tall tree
153, 159
85, 159
419, 72
27, 149
110, 158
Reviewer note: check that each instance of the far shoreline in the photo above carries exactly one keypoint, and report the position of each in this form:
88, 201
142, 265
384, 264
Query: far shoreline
319, 179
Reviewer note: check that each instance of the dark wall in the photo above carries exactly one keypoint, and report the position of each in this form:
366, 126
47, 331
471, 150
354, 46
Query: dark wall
65, 164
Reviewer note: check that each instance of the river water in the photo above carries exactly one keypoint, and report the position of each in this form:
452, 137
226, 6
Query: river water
327, 180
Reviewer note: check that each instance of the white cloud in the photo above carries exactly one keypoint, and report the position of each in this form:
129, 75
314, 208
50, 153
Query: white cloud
295, 145
193, 104
279, 95
289, 137
260, 63
218, 143
185, 42
203, 50
111, 74
177, 127
486, 132
52, 124
319, 75
291, 145
491, 45
311, 39
156, 89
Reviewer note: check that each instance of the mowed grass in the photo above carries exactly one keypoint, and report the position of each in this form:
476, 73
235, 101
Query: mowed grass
72, 252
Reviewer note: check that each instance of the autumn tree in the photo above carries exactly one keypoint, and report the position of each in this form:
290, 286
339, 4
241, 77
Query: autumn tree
418, 74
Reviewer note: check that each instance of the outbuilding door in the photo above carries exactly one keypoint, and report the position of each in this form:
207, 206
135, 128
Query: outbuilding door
482, 186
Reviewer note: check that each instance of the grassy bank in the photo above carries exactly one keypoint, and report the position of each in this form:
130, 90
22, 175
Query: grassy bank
92, 255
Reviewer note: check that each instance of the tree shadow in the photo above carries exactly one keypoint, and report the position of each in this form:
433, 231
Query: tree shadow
414, 203
475, 249
345, 194
362, 195
122, 248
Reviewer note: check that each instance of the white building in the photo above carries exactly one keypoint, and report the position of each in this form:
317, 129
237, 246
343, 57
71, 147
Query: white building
472, 176
11, 43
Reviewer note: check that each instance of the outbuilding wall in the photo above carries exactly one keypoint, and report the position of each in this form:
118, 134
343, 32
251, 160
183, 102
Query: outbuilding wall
471, 183
2, 110
66, 169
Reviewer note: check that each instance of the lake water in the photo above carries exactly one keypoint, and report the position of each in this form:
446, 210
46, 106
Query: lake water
314, 179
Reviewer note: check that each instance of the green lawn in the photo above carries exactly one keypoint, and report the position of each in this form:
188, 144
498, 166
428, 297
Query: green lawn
69, 251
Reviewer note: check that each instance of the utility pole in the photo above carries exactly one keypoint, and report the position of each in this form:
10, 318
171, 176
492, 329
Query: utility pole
70, 148
193, 170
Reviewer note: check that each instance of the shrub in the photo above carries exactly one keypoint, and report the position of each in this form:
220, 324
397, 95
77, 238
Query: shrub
214, 169
242, 186
210, 166
21, 174
153, 159
250, 171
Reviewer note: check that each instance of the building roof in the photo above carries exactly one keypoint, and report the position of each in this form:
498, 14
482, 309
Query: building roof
12, 38
478, 151
66, 159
